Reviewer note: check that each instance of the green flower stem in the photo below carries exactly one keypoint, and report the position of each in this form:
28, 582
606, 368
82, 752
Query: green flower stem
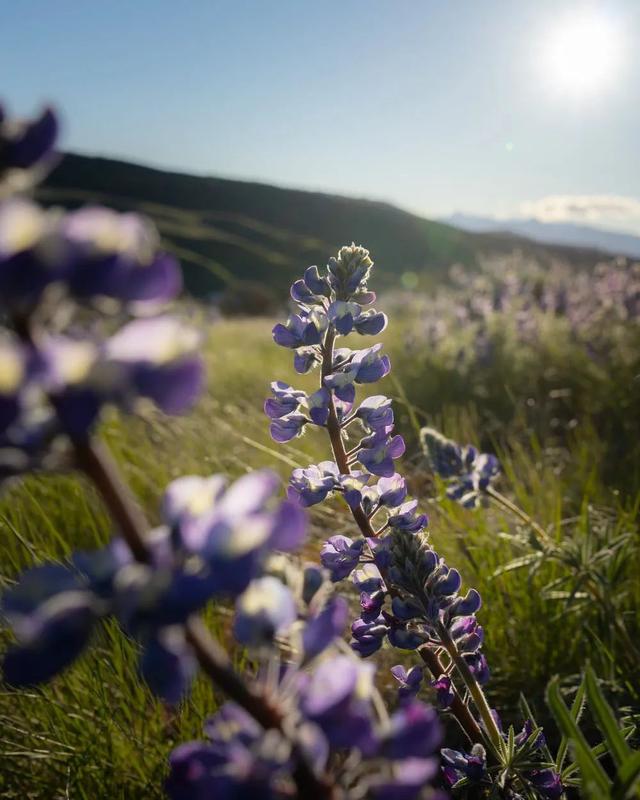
458, 708
479, 698
95, 461
543, 537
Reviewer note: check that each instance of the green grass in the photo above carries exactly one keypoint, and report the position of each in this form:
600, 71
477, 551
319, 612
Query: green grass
96, 731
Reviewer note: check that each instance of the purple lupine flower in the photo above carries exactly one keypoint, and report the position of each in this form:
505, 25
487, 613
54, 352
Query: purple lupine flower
234, 534
53, 615
184, 502
239, 760
352, 486
160, 359
289, 526
526, 732
485, 468
285, 400
75, 374
392, 490
376, 412
301, 330
168, 664
370, 499
464, 606
318, 284
548, 783
412, 732
53, 609
197, 769
445, 456
26, 148
369, 366
33, 254
342, 315
312, 581
318, 404
341, 555
380, 547
14, 371
349, 272
149, 598
302, 294
479, 667
312, 289
468, 472
467, 634
341, 381
444, 693
407, 783
406, 608
444, 583
305, 359
324, 627
371, 604
343, 406
284, 429
428, 592
32, 441
405, 637
468, 765
370, 322
359, 366
408, 681
311, 485
337, 698
264, 610
378, 455
368, 578
368, 636
405, 518
99, 568
116, 255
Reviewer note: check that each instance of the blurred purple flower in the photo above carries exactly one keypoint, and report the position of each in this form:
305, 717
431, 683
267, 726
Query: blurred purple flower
341, 555
324, 627
263, 611
408, 681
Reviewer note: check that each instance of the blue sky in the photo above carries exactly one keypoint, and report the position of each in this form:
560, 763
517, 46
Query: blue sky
435, 105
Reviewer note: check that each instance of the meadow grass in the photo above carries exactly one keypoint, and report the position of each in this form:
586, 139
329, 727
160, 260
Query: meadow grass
96, 731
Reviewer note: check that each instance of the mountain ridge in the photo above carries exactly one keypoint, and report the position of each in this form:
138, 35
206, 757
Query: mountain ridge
565, 233
247, 234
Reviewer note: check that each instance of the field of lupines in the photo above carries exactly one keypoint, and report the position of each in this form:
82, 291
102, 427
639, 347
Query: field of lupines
207, 599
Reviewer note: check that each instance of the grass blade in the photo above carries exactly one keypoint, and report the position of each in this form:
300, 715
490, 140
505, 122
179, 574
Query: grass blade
576, 712
628, 774
594, 779
605, 719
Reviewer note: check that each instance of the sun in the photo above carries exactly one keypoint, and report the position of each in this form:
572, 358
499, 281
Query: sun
581, 54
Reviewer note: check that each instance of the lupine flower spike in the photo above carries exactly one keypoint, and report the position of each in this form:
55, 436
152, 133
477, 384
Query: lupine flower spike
409, 597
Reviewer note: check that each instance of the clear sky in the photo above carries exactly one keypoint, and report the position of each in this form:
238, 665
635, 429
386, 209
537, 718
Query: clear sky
494, 107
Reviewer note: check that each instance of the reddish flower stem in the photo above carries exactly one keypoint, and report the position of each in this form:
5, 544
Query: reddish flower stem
458, 708
95, 461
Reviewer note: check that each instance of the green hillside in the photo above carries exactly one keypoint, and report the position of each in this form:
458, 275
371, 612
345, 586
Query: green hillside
254, 238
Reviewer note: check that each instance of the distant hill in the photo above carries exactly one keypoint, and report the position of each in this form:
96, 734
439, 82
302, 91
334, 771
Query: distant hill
256, 238
562, 233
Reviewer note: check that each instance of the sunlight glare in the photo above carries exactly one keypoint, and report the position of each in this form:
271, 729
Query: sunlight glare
582, 54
